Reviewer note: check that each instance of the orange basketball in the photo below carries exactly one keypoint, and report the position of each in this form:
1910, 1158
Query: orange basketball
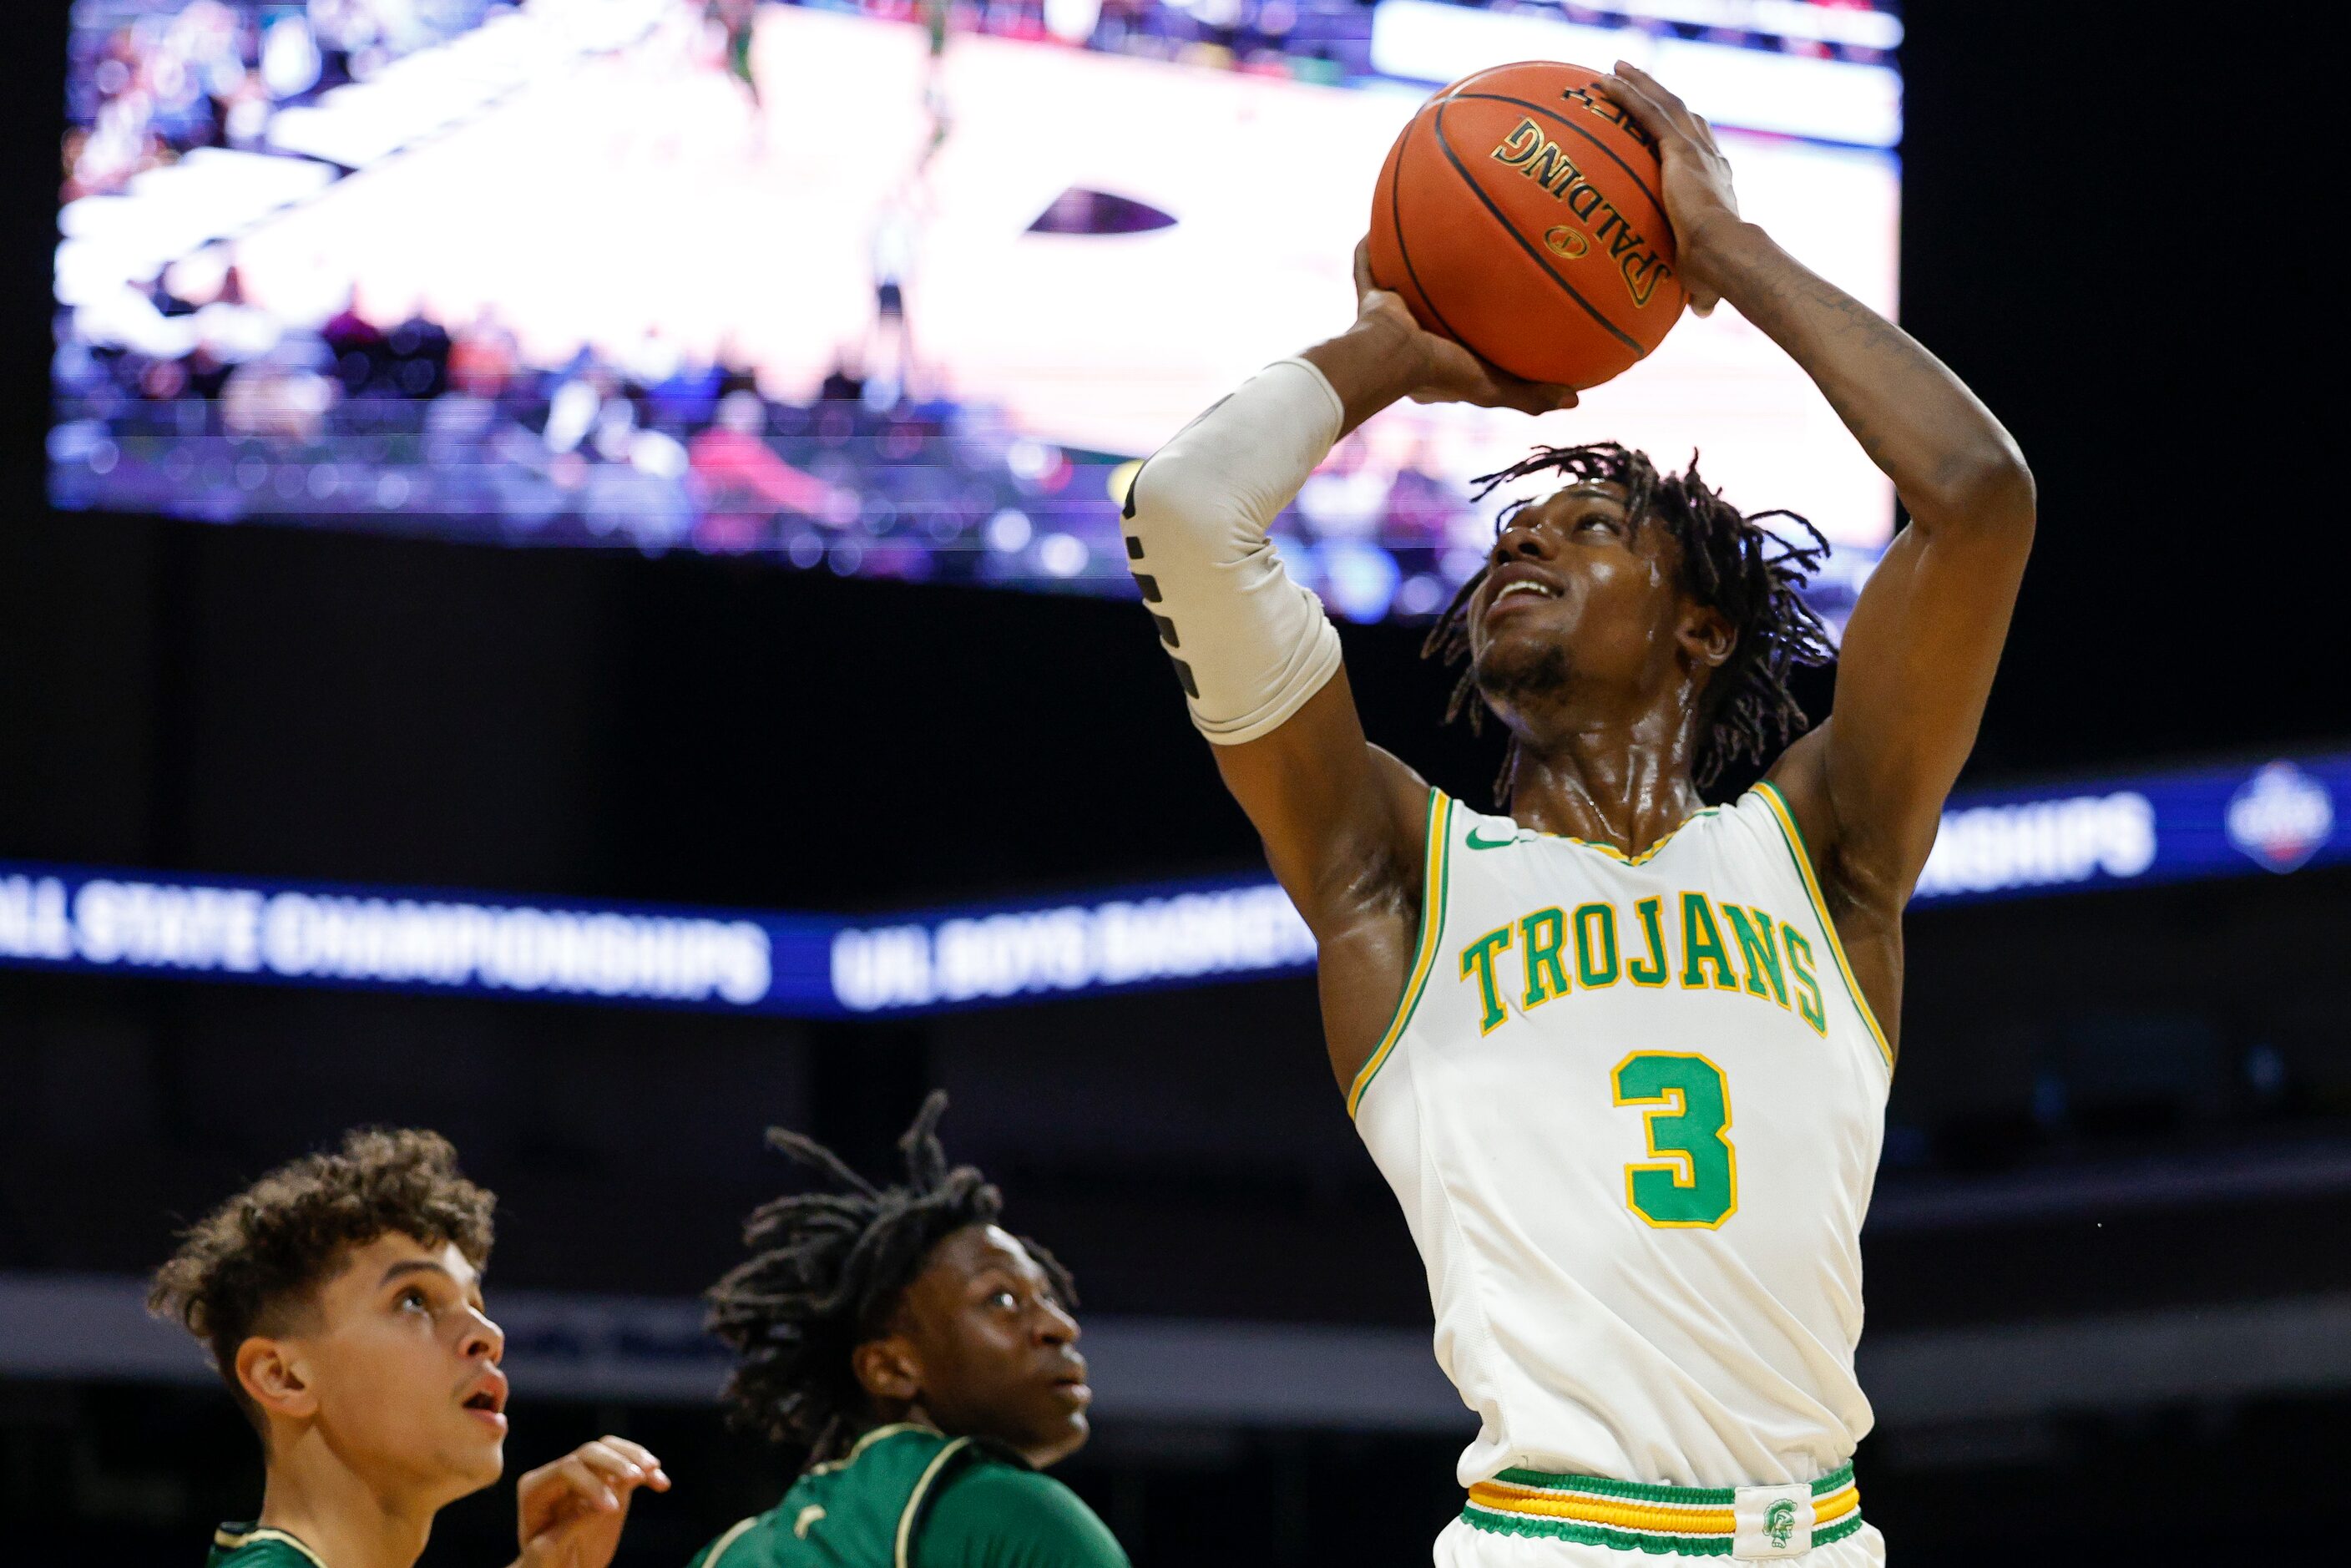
1519, 213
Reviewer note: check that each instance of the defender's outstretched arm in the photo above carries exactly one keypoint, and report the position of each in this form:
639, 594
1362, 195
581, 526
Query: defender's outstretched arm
1343, 823
1919, 652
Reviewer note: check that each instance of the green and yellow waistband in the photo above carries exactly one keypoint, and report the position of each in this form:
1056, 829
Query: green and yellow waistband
1633, 1516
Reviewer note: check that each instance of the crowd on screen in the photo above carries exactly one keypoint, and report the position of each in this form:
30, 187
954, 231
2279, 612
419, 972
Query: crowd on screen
421, 422
221, 411
152, 80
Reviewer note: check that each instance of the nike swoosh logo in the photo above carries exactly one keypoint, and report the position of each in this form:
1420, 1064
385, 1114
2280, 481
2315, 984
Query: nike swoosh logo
1476, 842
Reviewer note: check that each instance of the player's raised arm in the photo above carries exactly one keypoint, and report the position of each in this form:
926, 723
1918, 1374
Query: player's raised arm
1342, 820
1925, 638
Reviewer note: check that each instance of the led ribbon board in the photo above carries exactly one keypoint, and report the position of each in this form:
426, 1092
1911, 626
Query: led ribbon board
2210, 822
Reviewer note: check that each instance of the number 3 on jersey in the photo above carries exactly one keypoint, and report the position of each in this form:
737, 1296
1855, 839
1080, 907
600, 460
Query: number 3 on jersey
1696, 1184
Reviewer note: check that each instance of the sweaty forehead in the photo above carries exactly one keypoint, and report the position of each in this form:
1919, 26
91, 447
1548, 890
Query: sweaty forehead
1587, 490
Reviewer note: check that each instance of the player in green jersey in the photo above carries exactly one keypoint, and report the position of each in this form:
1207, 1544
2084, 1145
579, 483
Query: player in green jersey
736, 20
923, 1363
340, 1298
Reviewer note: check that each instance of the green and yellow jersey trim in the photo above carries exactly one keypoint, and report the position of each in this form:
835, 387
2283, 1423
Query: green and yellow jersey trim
909, 1516
868, 1441
1632, 1516
719, 1547
1431, 932
1802, 853
902, 1555
237, 1540
1619, 856
1535, 836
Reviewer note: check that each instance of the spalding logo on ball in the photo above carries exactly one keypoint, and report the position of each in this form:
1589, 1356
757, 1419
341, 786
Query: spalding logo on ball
1519, 213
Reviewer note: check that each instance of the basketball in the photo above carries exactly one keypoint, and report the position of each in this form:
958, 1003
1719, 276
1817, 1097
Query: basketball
1519, 213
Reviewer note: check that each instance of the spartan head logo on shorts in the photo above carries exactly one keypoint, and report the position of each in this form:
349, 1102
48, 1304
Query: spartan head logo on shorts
1781, 1523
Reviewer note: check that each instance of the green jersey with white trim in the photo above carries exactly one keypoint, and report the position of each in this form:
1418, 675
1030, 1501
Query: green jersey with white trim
908, 1497
1632, 1107
257, 1546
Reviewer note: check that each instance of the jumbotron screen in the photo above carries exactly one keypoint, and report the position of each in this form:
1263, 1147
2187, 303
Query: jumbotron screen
894, 287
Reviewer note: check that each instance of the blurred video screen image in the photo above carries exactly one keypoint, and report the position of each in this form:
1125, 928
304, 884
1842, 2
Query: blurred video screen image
881, 288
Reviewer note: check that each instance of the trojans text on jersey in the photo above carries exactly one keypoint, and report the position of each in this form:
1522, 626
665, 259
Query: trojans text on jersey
1692, 943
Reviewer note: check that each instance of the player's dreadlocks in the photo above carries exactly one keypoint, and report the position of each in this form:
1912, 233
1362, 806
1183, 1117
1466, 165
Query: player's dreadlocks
828, 1269
1730, 563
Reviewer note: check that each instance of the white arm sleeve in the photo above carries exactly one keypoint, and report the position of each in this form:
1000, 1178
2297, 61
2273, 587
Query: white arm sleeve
1249, 646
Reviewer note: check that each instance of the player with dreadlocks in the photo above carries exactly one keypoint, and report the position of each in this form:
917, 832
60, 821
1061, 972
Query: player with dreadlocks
1622, 1054
921, 1364
1752, 575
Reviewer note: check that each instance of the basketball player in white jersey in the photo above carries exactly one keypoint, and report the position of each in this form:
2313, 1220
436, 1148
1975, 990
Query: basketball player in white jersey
1623, 1056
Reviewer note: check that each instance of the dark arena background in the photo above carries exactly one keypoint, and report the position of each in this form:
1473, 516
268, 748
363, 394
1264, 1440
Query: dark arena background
2109, 1282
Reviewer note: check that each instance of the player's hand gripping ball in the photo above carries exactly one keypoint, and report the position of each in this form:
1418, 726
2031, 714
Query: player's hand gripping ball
1522, 214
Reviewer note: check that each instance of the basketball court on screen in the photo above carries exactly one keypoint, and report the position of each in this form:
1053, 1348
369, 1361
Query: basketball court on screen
635, 205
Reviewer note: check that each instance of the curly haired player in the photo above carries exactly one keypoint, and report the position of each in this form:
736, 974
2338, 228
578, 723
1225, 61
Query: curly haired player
340, 1299
1623, 1055
923, 1364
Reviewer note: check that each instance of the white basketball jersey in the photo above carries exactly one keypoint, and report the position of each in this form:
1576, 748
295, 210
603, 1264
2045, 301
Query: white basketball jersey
1632, 1109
